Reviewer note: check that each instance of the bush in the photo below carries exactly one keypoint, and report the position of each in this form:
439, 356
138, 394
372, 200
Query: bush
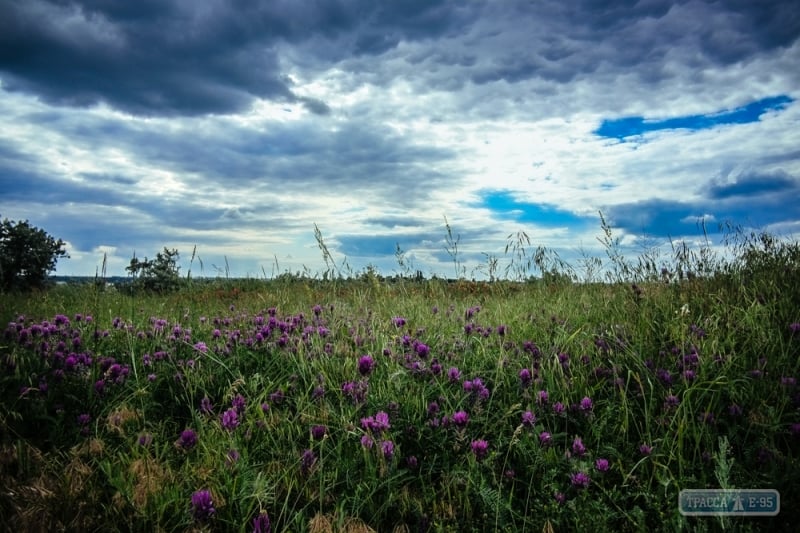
157, 275
27, 255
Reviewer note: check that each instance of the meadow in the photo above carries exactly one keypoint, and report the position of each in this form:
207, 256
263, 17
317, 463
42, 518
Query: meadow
367, 404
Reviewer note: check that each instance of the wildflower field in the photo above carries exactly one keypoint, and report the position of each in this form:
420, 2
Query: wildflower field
412, 405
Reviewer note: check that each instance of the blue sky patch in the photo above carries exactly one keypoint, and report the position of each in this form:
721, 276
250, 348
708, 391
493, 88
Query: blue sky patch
505, 206
622, 128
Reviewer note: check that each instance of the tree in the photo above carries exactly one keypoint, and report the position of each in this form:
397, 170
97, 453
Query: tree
27, 255
157, 275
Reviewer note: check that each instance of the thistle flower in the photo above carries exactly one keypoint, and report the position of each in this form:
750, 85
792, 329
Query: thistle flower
202, 505
460, 418
480, 448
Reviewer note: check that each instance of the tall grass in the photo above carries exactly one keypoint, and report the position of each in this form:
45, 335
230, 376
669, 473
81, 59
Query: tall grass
363, 405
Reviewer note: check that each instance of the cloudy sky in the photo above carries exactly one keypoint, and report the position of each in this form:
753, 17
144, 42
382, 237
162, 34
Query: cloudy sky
235, 126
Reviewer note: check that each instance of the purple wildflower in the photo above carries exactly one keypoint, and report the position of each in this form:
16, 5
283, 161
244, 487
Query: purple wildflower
239, 403
202, 505
307, 461
205, 406
671, 402
545, 438
460, 418
542, 396
318, 432
525, 377
580, 480
644, 449
365, 365
558, 408
230, 420
387, 447
261, 523
586, 404
578, 447
601, 465
367, 442
231, 458
528, 419
480, 448
187, 440
453, 374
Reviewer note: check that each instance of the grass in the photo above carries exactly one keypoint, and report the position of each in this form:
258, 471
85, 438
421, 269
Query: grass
540, 405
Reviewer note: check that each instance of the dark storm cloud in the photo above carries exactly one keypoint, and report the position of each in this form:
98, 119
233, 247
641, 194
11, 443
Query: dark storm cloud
755, 185
177, 57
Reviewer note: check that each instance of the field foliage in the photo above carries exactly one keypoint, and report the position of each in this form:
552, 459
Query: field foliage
546, 403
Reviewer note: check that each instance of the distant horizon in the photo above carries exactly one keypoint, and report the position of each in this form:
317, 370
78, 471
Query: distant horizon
130, 127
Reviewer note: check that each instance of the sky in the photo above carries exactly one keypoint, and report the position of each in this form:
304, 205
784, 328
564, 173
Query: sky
235, 128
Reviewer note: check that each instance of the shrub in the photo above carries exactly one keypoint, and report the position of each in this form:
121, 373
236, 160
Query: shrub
156, 275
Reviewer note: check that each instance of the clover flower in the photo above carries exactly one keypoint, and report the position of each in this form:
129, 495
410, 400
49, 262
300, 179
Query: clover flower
578, 447
187, 440
365, 365
601, 465
528, 419
307, 461
586, 404
230, 419
387, 447
318, 432
580, 480
261, 523
202, 505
